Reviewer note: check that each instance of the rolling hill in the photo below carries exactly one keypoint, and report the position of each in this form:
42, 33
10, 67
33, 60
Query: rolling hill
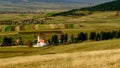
108, 6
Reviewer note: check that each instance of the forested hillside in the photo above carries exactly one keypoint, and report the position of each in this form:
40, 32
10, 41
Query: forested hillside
109, 6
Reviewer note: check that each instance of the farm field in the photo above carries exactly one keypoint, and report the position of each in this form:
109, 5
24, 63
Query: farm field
98, 21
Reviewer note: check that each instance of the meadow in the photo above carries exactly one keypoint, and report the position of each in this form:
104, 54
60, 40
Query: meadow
103, 54
88, 54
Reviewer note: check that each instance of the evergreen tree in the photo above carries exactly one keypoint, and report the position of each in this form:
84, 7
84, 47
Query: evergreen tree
72, 38
97, 37
62, 38
85, 36
52, 40
66, 38
118, 34
56, 41
82, 36
92, 36
102, 35
49, 41
114, 33
7, 41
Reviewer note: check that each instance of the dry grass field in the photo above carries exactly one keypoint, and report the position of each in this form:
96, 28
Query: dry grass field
101, 54
92, 59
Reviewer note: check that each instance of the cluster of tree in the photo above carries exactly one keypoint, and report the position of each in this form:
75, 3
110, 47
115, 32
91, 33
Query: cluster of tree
66, 39
9, 41
93, 36
26, 21
104, 35
74, 12
55, 40
20, 12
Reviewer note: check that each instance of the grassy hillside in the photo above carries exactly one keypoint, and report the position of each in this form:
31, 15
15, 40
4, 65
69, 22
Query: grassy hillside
79, 47
72, 56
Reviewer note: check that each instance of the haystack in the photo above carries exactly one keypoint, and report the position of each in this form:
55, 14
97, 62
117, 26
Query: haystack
69, 26
1, 27
66, 26
54, 26
36, 27
61, 26
76, 26
20, 28
12, 28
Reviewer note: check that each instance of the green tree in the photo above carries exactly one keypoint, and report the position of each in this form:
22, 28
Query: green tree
7, 41
82, 36
97, 37
102, 35
92, 36
56, 41
52, 40
62, 38
66, 38
118, 34
29, 43
49, 41
72, 38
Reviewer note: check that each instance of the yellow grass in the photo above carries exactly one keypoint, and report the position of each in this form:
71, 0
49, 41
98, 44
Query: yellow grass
93, 59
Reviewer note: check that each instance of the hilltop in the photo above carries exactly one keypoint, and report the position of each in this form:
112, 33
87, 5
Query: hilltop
109, 6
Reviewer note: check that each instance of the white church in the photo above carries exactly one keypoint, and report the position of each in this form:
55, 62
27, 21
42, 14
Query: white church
40, 42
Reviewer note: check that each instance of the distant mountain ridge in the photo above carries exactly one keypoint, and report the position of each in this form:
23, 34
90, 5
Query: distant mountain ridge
46, 4
65, 1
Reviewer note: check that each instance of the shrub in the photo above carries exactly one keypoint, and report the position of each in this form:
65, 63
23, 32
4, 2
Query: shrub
7, 41
29, 43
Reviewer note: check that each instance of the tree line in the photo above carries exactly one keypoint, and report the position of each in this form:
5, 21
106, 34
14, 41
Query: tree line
20, 12
26, 21
82, 36
66, 38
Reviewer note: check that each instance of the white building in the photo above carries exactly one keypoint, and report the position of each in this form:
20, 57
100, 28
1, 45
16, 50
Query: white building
41, 42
